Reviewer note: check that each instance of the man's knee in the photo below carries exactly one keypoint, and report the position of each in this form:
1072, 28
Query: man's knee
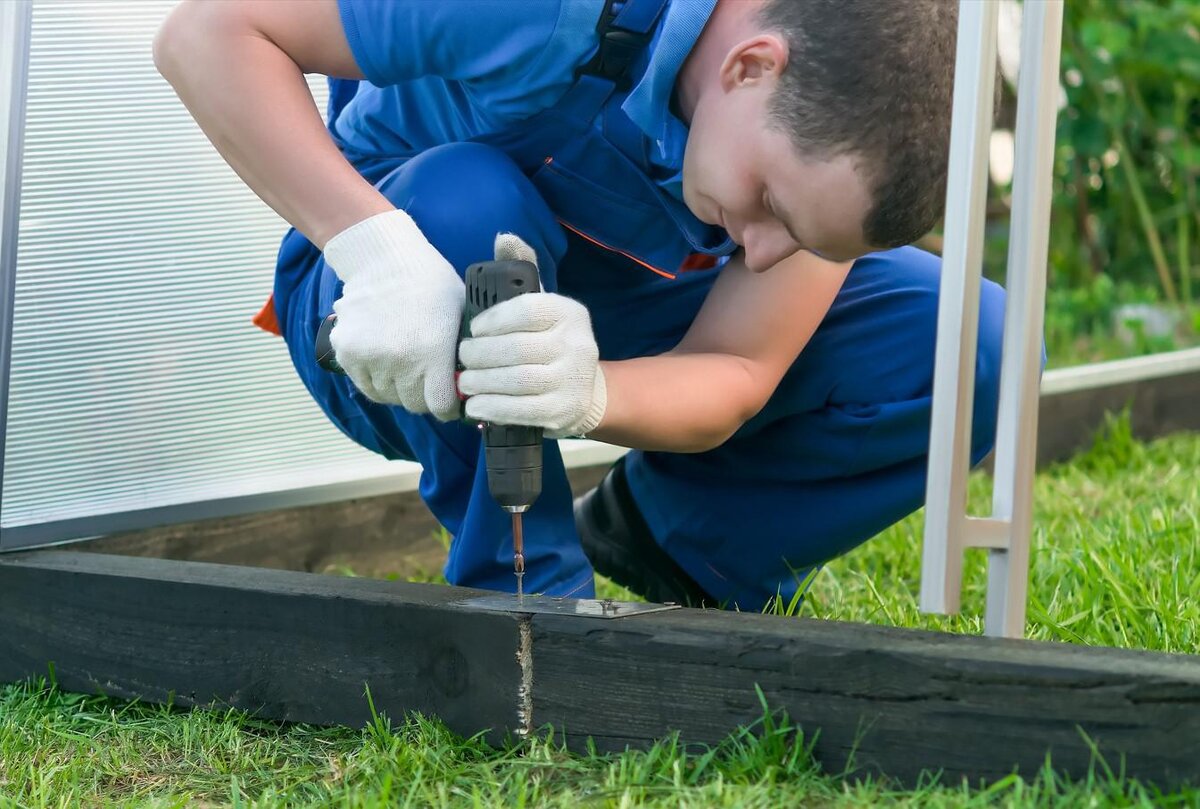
898, 294
462, 194
885, 328
922, 273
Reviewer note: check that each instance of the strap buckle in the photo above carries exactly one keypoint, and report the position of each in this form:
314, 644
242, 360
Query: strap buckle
618, 50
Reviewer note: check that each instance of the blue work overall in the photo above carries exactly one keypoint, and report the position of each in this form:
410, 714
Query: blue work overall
836, 455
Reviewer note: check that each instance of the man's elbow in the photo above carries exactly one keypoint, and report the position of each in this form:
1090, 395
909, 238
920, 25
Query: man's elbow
174, 42
168, 48
740, 413
748, 398
190, 25
703, 443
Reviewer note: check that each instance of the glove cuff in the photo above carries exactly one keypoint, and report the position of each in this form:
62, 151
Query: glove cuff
595, 413
377, 246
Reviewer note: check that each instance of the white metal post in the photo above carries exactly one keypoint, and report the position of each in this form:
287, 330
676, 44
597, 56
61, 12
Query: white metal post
15, 20
958, 307
1016, 433
948, 529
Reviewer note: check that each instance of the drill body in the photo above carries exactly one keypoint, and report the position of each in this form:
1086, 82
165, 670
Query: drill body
513, 454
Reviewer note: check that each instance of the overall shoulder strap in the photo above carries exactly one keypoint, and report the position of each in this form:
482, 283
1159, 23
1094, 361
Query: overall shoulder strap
625, 28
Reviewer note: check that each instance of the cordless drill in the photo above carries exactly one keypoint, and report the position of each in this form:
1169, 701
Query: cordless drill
513, 454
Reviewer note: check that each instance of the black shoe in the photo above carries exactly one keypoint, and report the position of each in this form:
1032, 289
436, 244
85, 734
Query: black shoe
620, 546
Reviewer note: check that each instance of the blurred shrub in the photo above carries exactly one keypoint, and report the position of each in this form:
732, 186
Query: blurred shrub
1128, 156
1126, 219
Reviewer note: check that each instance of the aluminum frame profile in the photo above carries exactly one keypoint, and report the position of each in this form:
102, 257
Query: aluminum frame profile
948, 529
15, 21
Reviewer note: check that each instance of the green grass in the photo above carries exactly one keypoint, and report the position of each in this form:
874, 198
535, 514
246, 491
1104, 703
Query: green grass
1116, 559
1115, 562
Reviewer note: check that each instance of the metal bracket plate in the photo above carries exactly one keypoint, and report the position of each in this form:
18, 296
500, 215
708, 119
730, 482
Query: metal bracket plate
548, 605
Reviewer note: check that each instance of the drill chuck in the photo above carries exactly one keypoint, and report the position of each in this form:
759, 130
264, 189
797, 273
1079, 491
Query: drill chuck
514, 464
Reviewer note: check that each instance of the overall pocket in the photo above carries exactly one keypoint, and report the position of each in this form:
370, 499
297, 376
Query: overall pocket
629, 224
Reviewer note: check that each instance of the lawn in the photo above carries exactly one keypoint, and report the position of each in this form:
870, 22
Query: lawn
1115, 564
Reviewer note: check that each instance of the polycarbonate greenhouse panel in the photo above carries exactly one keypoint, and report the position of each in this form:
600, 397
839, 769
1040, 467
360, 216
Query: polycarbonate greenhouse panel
140, 392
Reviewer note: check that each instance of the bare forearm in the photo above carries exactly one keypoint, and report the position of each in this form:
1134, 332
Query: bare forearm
747, 335
675, 402
250, 99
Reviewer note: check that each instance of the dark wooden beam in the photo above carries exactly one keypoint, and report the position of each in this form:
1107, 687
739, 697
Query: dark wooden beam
884, 700
1068, 421
300, 646
294, 646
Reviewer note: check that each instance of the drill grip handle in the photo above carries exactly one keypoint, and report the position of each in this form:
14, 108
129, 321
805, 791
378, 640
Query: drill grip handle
491, 282
513, 453
487, 284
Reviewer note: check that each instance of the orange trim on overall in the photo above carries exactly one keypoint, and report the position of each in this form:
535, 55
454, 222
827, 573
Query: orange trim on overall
698, 261
266, 319
604, 246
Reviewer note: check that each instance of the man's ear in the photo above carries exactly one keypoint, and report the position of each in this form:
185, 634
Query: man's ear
760, 58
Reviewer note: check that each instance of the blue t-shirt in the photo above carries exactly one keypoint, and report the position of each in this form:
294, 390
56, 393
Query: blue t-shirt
443, 71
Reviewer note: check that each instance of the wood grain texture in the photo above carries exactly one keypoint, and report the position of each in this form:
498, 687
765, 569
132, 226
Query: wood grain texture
301, 647
286, 645
884, 700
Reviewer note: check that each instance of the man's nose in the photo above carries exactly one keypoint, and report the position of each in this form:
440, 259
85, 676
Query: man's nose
764, 250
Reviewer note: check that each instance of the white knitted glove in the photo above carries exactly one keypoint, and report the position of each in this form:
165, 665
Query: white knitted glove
533, 361
399, 314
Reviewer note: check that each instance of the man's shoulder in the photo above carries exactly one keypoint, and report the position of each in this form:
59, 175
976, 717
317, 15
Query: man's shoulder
466, 40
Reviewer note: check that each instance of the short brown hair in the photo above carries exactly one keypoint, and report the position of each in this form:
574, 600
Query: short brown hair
873, 79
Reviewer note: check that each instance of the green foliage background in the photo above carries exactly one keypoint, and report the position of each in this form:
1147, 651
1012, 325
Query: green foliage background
1126, 217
